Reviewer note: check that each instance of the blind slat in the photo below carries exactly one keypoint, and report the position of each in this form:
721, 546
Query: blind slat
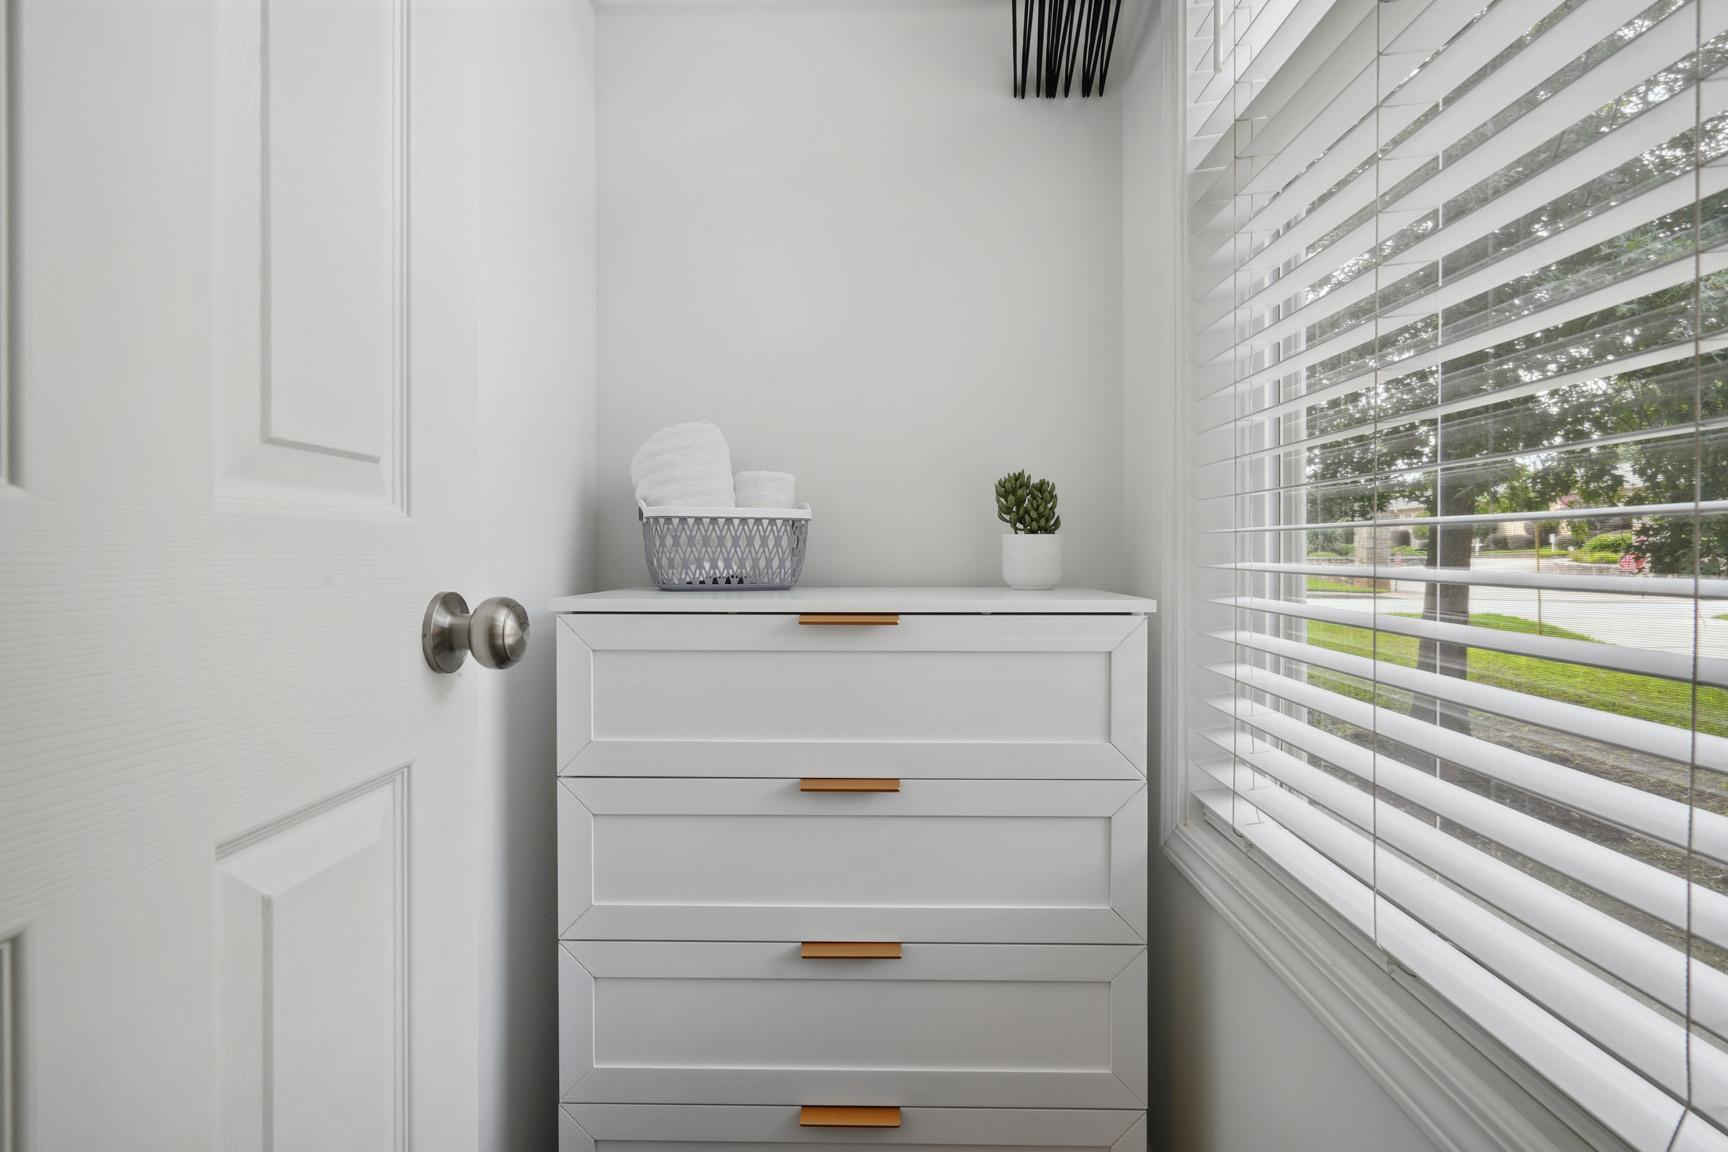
1698, 1135
1678, 356
1635, 1109
1482, 39
1614, 511
1666, 43
1282, 77
1676, 435
1535, 366
1610, 801
1650, 1042
1672, 195
1584, 653
1605, 154
1678, 744
1643, 961
1659, 970
1710, 588
1668, 275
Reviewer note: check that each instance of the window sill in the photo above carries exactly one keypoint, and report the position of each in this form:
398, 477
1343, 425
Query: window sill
1445, 1074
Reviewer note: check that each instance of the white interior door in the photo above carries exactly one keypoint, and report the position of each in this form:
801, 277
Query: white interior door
236, 845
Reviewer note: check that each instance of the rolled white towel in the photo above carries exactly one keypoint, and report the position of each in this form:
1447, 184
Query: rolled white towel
764, 489
684, 466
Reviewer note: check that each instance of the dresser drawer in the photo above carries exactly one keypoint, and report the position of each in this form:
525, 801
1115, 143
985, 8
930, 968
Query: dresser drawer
693, 1128
930, 696
1010, 861
945, 1025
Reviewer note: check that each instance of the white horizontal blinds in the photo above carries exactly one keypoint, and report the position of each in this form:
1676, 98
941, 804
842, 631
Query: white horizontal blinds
1458, 277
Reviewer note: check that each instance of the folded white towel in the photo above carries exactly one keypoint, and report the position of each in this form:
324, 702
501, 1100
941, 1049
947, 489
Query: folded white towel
764, 489
684, 466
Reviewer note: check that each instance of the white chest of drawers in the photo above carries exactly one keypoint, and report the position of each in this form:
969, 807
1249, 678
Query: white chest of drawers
834, 859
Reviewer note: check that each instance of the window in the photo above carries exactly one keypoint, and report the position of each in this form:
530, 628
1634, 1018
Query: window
1458, 329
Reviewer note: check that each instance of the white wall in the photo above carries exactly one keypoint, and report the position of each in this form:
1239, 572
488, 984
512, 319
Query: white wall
827, 228
536, 527
1239, 1063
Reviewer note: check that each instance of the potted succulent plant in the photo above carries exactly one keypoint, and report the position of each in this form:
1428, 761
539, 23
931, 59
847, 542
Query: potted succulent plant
1032, 552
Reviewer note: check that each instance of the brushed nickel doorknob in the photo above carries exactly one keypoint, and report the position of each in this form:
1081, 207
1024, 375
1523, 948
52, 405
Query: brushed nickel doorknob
496, 632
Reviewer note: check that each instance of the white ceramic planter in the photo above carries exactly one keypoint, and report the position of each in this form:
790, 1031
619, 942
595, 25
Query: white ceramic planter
1032, 561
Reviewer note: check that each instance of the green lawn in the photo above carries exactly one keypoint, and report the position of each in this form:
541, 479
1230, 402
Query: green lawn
1623, 693
1327, 584
1501, 623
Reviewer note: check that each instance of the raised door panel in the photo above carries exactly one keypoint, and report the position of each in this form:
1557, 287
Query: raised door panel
8, 430
1010, 697
1016, 861
312, 218
311, 920
690, 1128
945, 1025
8, 1029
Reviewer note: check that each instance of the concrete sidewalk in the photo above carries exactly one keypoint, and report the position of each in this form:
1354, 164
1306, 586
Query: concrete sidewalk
1657, 623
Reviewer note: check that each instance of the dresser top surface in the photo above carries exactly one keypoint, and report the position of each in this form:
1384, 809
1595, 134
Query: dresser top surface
1056, 601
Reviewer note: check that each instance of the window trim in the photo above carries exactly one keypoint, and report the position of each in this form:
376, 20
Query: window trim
1454, 1081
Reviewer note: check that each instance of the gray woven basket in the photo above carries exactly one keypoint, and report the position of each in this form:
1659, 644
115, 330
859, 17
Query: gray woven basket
743, 549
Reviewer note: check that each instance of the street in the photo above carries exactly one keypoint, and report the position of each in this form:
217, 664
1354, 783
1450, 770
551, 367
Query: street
1657, 623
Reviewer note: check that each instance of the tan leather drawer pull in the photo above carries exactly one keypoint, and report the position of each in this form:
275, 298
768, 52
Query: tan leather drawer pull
850, 950
849, 784
865, 618
815, 1116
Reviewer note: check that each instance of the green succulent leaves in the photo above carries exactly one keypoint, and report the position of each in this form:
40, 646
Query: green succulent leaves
1026, 505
